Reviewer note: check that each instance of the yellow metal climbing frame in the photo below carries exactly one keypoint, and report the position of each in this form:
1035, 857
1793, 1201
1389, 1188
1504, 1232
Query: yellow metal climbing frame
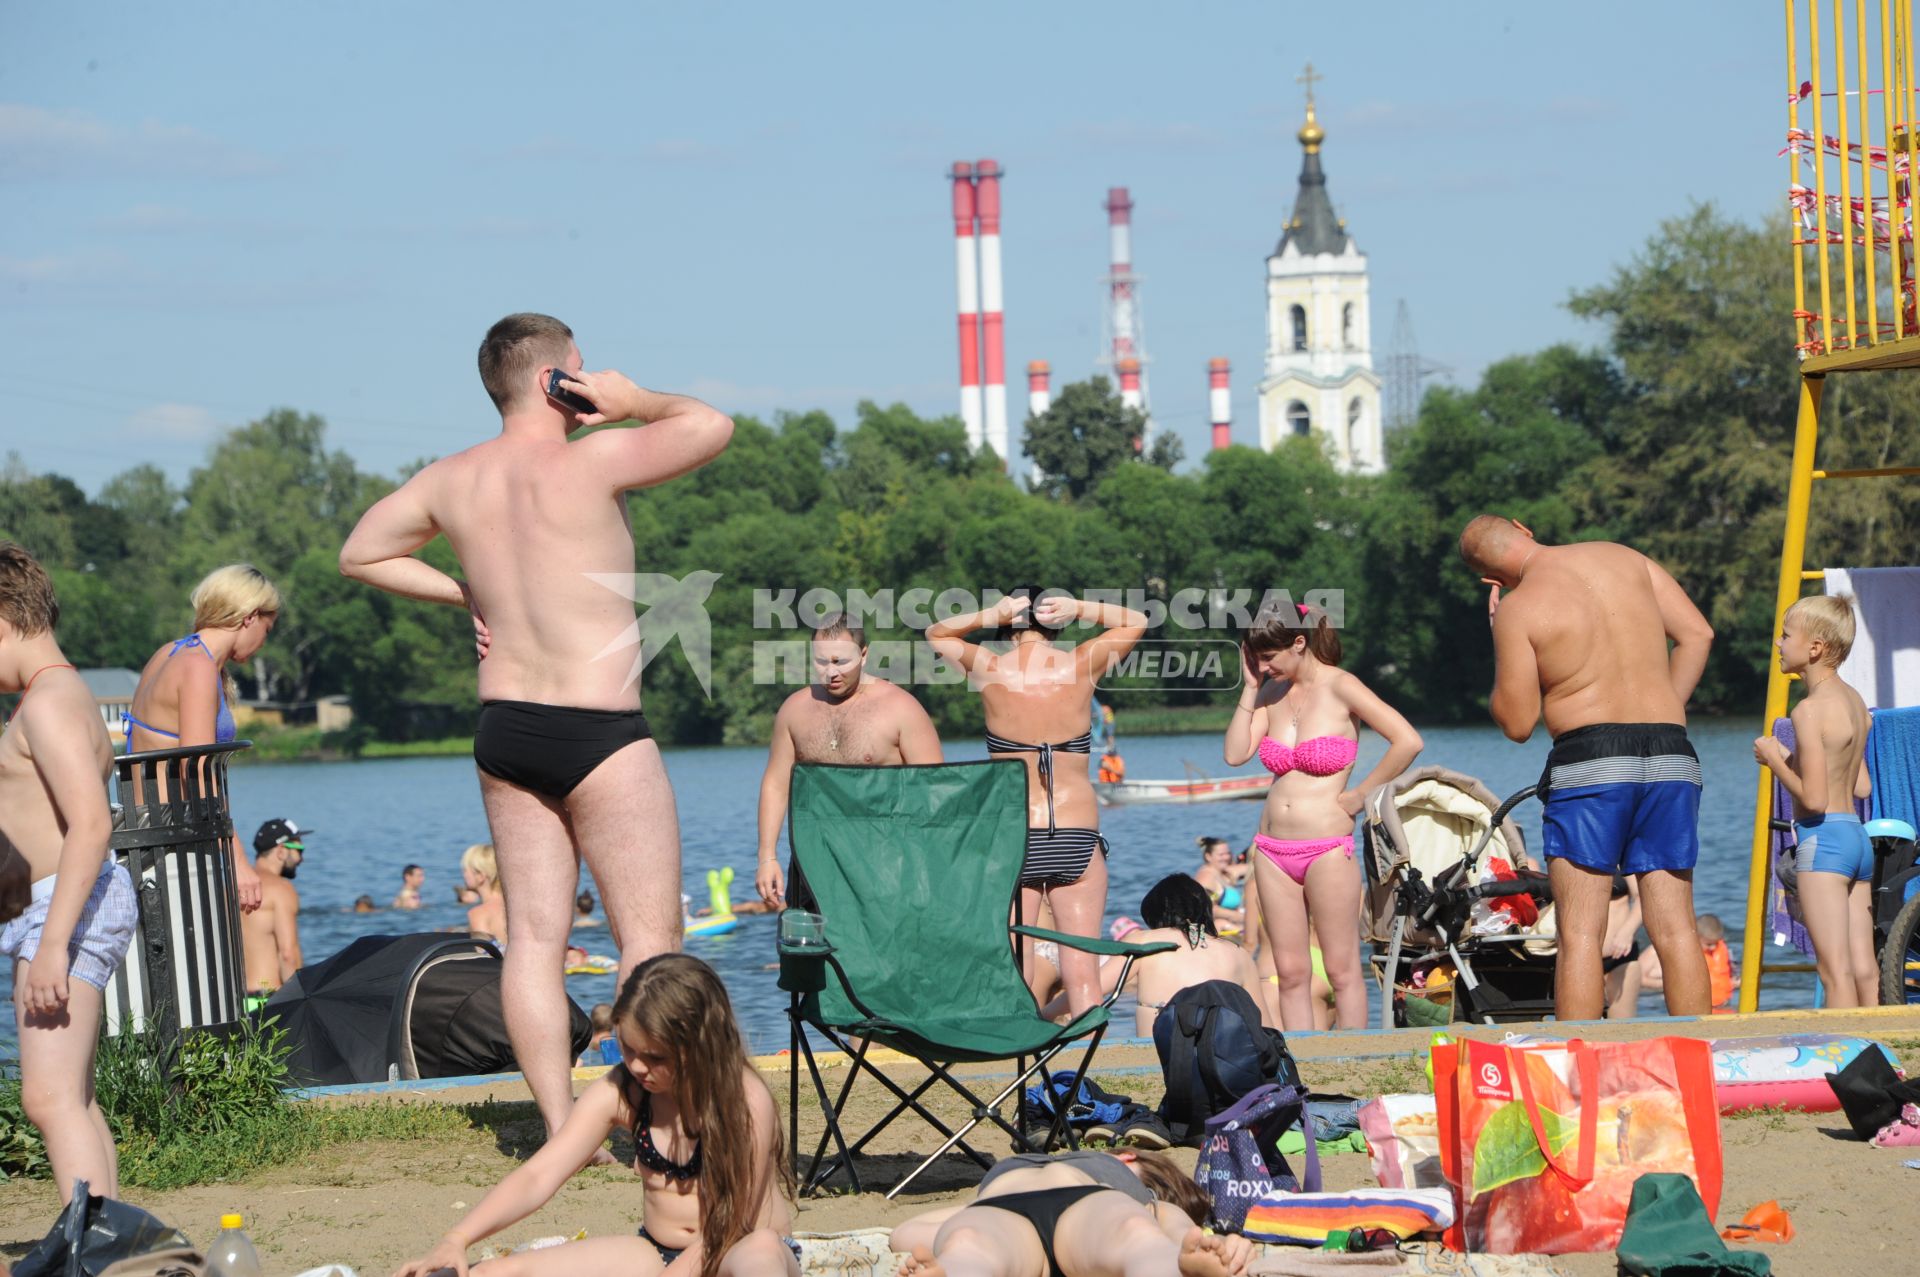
1853, 247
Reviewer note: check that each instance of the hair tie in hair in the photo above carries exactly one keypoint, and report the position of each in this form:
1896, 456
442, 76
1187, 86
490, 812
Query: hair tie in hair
1304, 609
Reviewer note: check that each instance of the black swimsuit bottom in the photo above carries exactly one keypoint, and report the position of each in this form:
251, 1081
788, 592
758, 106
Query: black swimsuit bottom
1043, 1208
550, 749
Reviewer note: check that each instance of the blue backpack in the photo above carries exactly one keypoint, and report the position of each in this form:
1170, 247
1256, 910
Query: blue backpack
1213, 1053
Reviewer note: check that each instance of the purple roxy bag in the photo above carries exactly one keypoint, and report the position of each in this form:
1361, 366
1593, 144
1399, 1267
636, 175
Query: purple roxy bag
1240, 1160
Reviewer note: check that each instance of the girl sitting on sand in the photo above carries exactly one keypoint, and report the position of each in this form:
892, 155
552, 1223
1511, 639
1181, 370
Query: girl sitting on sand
1076, 1215
1301, 714
707, 1147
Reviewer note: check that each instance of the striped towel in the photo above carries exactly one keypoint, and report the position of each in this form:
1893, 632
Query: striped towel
1305, 1219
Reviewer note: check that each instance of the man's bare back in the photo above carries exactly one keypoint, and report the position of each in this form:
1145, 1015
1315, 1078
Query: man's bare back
1596, 617
530, 520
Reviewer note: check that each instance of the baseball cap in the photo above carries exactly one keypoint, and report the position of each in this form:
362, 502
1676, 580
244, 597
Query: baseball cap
279, 830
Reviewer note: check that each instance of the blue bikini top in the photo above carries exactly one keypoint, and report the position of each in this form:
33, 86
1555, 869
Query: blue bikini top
223, 726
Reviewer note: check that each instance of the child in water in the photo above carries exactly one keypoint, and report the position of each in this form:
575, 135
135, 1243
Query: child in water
707, 1147
1825, 773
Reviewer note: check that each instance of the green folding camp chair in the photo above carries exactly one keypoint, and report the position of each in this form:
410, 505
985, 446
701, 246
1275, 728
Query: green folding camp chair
913, 872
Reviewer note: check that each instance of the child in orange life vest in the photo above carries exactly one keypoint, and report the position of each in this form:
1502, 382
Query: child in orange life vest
1713, 939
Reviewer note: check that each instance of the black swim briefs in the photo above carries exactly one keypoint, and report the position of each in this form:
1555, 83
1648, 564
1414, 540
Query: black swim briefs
550, 749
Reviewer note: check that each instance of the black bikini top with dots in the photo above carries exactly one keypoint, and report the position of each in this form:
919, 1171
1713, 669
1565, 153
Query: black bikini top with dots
649, 1155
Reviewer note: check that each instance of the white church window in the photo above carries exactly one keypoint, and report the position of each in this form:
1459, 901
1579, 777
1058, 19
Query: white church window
1299, 420
1354, 414
1346, 326
1299, 327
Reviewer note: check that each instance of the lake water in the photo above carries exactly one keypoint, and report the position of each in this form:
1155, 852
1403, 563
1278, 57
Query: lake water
374, 817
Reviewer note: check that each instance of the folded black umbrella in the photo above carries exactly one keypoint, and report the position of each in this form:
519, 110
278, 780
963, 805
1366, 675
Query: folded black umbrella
1871, 1093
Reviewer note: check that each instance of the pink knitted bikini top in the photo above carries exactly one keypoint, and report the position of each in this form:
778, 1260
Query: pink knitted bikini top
1320, 756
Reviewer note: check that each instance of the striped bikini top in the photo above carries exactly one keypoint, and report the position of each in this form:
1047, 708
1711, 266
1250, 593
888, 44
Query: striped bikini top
1319, 756
1081, 744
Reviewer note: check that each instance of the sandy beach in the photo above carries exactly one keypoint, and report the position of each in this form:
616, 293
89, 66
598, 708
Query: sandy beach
376, 1204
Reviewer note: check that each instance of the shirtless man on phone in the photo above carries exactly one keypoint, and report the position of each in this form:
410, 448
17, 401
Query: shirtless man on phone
1580, 637
568, 766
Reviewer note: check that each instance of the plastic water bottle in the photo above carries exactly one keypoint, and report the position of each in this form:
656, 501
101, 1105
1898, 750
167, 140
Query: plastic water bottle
232, 1253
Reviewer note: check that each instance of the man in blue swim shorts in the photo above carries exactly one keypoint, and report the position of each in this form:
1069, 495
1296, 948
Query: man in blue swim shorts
1581, 638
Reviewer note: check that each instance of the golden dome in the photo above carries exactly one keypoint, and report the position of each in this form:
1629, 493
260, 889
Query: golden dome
1311, 134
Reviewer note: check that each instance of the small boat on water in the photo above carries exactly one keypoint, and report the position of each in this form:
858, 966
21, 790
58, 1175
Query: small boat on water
1196, 789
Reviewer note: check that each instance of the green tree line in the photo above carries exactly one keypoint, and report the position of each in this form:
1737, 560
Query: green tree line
1672, 434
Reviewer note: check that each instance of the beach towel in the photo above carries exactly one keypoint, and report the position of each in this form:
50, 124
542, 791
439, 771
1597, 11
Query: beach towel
1789, 927
1893, 760
1884, 665
1305, 1219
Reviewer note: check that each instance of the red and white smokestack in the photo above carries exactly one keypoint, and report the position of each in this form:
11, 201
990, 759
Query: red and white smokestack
967, 272
1039, 388
1129, 369
1220, 403
1120, 276
987, 174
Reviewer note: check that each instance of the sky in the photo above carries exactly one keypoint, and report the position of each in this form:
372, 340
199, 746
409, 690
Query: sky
211, 210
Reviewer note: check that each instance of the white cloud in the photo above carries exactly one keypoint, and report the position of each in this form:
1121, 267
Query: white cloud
179, 422
38, 142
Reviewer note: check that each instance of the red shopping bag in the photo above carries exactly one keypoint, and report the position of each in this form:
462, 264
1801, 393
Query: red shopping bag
1541, 1143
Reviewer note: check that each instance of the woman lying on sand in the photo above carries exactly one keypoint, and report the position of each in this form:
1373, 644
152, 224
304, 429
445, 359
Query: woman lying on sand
1081, 1214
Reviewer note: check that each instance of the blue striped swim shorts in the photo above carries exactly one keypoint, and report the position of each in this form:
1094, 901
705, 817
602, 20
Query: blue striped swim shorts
1623, 798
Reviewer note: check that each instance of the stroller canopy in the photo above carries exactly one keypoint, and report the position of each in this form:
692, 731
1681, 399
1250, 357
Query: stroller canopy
390, 1007
1428, 820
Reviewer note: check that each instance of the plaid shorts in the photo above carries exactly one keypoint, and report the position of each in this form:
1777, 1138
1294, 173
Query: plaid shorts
100, 938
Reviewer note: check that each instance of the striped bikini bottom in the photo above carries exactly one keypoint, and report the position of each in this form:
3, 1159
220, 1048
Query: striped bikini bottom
1059, 857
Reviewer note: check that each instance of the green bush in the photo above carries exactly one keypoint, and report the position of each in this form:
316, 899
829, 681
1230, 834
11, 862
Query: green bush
211, 1108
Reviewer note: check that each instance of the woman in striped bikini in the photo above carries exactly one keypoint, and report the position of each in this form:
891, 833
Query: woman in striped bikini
1038, 701
1301, 714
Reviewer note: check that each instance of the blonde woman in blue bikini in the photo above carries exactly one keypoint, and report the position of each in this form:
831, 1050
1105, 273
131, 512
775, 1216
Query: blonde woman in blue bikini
1301, 714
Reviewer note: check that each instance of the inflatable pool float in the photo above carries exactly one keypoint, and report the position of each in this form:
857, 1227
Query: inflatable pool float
594, 964
721, 920
1789, 1071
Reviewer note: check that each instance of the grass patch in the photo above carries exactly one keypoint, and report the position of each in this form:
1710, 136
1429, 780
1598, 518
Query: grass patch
211, 1109
444, 747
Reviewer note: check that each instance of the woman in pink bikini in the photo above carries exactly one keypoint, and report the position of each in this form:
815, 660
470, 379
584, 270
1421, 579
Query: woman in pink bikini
1301, 714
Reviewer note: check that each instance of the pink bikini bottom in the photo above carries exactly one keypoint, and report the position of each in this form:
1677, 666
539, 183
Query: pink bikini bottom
1293, 857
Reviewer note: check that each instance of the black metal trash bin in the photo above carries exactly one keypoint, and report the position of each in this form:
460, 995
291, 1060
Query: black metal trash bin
173, 831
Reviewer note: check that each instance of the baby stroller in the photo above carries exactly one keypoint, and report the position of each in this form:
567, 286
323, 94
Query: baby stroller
1454, 902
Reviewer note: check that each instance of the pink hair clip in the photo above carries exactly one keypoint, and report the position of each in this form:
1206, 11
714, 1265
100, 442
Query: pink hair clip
1304, 609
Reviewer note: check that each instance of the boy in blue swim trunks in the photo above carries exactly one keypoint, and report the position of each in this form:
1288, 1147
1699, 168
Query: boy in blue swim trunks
1825, 773
1581, 639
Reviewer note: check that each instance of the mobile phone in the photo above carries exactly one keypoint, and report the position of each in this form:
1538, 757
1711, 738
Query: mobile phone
566, 398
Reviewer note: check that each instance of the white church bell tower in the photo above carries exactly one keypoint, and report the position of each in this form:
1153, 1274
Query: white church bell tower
1319, 369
